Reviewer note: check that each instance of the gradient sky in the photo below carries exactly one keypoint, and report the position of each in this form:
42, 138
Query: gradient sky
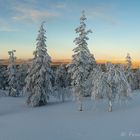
115, 25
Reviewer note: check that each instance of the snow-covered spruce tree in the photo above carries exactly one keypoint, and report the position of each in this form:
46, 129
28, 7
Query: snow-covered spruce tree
111, 85
82, 61
128, 61
61, 82
38, 82
12, 77
129, 73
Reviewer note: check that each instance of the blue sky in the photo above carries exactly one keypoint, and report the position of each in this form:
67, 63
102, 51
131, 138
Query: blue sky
115, 25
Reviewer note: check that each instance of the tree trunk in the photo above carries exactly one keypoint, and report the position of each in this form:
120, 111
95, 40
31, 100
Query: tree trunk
63, 98
79, 98
110, 106
80, 108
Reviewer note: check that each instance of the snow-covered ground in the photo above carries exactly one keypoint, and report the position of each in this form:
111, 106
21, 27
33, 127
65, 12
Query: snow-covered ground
61, 121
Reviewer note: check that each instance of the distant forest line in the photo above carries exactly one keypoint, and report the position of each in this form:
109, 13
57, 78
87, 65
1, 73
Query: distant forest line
57, 62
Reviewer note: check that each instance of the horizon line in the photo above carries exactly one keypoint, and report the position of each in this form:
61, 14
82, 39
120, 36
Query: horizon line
135, 64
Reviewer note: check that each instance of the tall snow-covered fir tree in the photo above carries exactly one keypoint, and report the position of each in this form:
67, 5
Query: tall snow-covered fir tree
38, 83
82, 61
111, 85
12, 77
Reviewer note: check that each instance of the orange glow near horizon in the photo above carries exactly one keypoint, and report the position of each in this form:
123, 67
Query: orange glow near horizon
135, 64
67, 57
64, 55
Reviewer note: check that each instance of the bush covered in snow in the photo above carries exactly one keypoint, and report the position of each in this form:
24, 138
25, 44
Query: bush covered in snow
111, 84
